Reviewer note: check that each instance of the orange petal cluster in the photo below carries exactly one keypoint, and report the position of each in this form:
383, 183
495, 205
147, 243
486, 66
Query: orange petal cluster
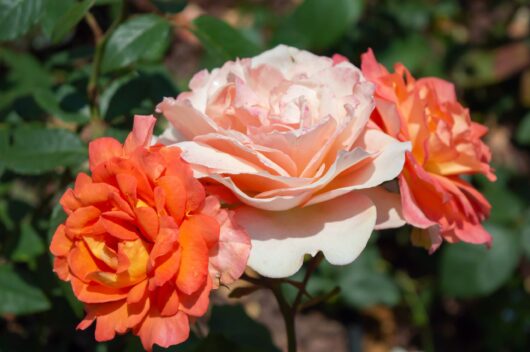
446, 145
143, 245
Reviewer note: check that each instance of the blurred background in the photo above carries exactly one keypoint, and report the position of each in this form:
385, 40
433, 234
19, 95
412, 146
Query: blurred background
71, 71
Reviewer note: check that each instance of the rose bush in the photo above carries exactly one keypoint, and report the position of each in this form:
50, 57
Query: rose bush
288, 133
143, 245
446, 145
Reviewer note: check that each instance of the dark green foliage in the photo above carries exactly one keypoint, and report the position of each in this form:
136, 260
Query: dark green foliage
463, 297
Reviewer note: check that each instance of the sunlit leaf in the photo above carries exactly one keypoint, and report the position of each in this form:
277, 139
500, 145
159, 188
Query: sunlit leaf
142, 38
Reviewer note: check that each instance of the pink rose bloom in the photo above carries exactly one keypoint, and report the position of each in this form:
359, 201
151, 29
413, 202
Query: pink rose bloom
288, 133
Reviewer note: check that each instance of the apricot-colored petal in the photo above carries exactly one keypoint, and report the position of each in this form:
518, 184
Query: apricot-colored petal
137, 292
194, 259
60, 244
205, 226
166, 239
111, 318
166, 267
128, 184
81, 261
96, 293
175, 196
196, 304
137, 252
141, 133
121, 204
119, 229
99, 249
340, 228
167, 299
60, 267
411, 210
473, 233
69, 202
147, 221
103, 149
93, 193
385, 166
137, 311
163, 331
83, 217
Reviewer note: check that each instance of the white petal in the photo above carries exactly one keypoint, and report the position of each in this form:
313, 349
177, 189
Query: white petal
339, 228
388, 205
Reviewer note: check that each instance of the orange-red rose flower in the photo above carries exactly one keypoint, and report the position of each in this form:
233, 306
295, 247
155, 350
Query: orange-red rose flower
143, 245
446, 145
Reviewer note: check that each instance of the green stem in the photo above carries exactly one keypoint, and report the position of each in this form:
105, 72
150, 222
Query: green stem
288, 316
313, 264
289, 311
101, 42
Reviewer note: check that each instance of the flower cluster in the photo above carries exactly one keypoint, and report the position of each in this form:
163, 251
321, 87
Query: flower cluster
309, 153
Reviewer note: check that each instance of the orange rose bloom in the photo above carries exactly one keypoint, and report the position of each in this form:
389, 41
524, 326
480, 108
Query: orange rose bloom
446, 145
142, 245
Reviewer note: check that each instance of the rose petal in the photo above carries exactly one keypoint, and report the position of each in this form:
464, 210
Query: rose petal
163, 331
103, 149
340, 228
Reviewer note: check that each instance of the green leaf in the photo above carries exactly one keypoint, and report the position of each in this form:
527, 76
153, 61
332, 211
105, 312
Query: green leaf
4, 143
523, 131
37, 150
48, 101
242, 330
136, 93
317, 24
17, 17
53, 11
142, 38
25, 74
61, 16
363, 283
413, 51
221, 41
29, 244
17, 296
469, 270
506, 208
